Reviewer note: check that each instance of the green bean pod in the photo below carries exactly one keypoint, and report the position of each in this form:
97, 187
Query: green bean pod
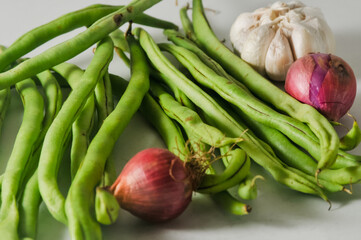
21, 153
154, 114
265, 90
240, 175
31, 199
79, 202
83, 125
353, 137
66, 23
224, 122
187, 24
231, 204
29, 208
236, 160
190, 120
55, 137
247, 189
5, 97
72, 47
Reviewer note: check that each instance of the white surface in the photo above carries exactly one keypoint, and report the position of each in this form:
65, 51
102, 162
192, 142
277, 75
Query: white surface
278, 213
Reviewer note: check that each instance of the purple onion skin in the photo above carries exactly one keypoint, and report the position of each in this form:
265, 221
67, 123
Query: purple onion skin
154, 185
323, 81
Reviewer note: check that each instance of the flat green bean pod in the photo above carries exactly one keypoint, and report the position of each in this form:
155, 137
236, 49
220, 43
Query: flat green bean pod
21, 153
72, 47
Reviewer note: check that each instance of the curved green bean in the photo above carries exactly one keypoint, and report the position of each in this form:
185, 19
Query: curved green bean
72, 47
187, 24
22, 150
232, 181
236, 160
353, 137
55, 137
231, 204
79, 209
83, 125
265, 90
247, 189
31, 199
66, 23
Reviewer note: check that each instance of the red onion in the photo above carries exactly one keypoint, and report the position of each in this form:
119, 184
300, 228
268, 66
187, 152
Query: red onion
154, 185
324, 81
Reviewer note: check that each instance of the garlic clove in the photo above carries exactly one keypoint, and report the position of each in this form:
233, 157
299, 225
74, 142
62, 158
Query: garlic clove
240, 29
279, 57
305, 39
256, 46
324, 33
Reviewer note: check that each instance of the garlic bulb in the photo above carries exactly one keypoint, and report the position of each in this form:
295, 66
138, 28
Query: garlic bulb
270, 39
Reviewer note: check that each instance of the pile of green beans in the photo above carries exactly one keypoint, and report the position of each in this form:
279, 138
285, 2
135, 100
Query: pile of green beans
213, 111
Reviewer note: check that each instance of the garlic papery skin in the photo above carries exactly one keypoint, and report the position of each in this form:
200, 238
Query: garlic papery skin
270, 39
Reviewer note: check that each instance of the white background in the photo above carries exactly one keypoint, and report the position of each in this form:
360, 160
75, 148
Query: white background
278, 213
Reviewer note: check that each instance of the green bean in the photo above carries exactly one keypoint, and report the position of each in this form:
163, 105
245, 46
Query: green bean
150, 21
61, 25
232, 181
353, 137
187, 24
5, 97
104, 99
154, 114
81, 130
104, 102
31, 199
53, 101
236, 160
72, 47
20, 155
231, 204
224, 122
247, 189
265, 90
79, 208
106, 206
179, 40
29, 208
82, 126
190, 120
49, 158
